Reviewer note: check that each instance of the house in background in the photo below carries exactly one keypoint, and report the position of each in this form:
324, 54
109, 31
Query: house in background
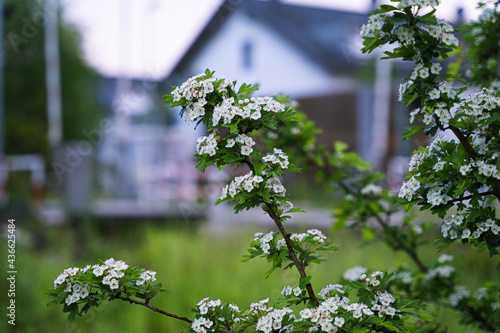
310, 54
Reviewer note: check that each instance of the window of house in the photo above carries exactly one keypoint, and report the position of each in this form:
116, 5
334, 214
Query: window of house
247, 54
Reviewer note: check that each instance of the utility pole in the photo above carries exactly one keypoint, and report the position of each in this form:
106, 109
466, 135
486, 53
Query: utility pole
53, 76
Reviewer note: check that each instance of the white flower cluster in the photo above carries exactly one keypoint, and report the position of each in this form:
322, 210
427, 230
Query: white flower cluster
403, 88
488, 170
405, 276
422, 71
249, 108
273, 321
201, 325
146, 276
442, 113
354, 273
194, 91
206, 305
111, 271
443, 31
207, 144
246, 143
372, 190
275, 186
405, 34
288, 291
479, 106
277, 157
324, 316
452, 228
77, 291
316, 235
445, 258
420, 3
465, 169
459, 293
418, 158
327, 314
260, 306
409, 188
264, 239
372, 281
241, 183
487, 15
435, 196
444, 89
330, 315
440, 271
336, 288
270, 319
375, 22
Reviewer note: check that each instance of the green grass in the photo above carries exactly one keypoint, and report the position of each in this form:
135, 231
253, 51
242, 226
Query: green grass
192, 264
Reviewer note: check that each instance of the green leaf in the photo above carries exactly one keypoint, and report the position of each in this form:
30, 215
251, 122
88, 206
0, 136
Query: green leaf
340, 146
246, 88
201, 165
368, 234
389, 325
411, 131
383, 9
295, 210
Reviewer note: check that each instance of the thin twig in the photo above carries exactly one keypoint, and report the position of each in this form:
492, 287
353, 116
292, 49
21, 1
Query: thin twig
155, 309
291, 251
471, 196
286, 237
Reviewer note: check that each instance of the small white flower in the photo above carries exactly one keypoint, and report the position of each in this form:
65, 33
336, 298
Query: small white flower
466, 233
246, 150
436, 68
113, 284
424, 73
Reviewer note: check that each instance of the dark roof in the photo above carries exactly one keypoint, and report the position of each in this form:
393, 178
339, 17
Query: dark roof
323, 34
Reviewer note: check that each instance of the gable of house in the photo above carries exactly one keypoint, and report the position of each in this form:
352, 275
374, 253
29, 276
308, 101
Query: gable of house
299, 50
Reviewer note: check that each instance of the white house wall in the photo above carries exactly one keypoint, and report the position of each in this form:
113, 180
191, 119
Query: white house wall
277, 65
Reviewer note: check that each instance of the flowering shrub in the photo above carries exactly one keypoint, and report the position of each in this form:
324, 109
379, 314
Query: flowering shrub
456, 178
232, 118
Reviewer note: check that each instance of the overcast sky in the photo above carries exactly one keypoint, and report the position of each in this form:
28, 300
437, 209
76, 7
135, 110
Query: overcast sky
145, 38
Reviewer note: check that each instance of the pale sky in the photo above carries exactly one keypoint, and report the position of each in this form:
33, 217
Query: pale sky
145, 38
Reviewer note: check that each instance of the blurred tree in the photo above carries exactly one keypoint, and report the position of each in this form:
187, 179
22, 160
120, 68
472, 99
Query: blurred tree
25, 88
